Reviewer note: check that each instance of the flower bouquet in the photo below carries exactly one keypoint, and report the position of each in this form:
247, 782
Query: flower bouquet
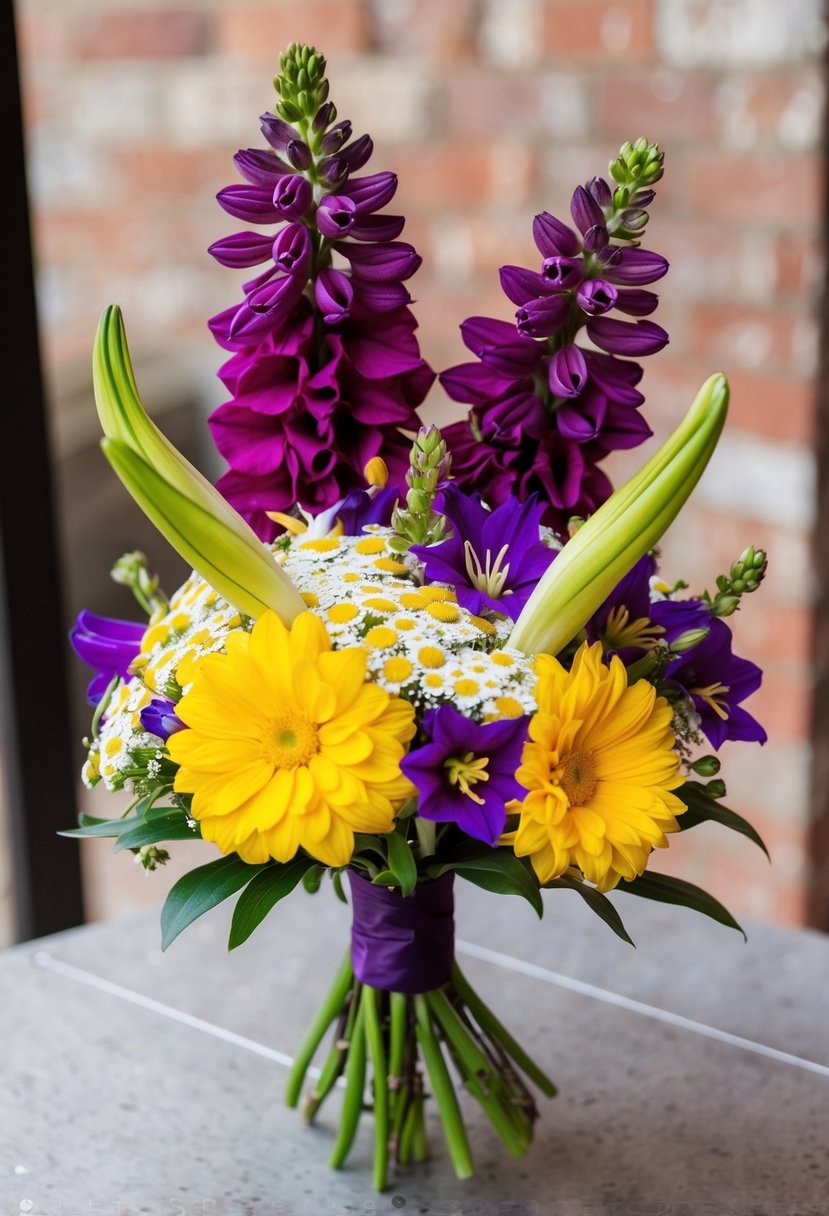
405, 657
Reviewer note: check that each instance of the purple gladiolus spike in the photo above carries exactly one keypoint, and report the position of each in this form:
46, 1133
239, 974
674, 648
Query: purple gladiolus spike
521, 286
278, 133
381, 263
626, 337
371, 193
336, 215
292, 197
333, 293
292, 249
635, 267
377, 227
540, 318
160, 718
450, 791
299, 154
259, 166
567, 373
600, 192
253, 204
589, 219
242, 249
595, 296
553, 238
357, 153
636, 303
563, 272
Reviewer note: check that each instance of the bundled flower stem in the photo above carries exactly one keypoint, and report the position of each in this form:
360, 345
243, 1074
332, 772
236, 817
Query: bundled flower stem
399, 1044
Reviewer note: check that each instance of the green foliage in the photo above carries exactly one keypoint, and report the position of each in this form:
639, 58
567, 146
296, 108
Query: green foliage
667, 890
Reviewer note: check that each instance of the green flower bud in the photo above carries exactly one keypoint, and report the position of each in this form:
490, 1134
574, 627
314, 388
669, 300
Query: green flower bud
715, 789
706, 766
688, 640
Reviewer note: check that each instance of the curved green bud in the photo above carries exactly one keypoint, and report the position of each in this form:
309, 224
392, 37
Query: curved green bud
622, 530
183, 505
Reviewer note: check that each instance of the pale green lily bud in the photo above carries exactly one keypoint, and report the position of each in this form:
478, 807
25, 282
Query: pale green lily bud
182, 504
688, 640
622, 530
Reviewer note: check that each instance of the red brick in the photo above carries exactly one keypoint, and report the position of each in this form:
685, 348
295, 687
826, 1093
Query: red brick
262, 31
769, 95
158, 169
603, 30
799, 263
527, 106
142, 34
729, 335
783, 191
663, 105
433, 28
436, 177
781, 632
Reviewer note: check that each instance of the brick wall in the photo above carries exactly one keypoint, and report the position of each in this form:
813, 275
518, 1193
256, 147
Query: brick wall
490, 110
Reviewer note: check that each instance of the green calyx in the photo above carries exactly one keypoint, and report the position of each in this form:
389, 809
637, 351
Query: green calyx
301, 83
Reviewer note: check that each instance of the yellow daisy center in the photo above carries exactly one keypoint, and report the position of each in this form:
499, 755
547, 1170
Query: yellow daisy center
578, 777
290, 741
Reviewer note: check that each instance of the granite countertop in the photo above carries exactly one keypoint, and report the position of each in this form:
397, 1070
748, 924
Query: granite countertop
693, 1071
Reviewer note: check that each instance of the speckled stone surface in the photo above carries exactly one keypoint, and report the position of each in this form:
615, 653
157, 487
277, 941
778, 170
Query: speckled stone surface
113, 1107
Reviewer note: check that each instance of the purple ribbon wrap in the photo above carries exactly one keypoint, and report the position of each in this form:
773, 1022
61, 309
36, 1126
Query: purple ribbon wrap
403, 944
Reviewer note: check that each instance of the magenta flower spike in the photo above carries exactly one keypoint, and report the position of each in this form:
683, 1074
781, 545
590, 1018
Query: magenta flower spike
325, 371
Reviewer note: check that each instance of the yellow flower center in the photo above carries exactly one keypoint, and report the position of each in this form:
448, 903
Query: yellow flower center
578, 778
620, 631
290, 741
713, 694
465, 771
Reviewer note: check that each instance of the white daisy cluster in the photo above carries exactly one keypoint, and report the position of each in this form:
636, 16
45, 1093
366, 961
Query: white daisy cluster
421, 644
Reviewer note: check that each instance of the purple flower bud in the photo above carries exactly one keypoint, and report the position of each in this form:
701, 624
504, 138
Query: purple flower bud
332, 170
567, 373
336, 137
520, 357
553, 238
589, 219
276, 132
625, 337
292, 249
357, 153
335, 215
521, 286
249, 203
616, 378
160, 718
372, 192
242, 249
595, 296
600, 192
480, 334
381, 263
636, 303
563, 273
381, 297
299, 154
540, 318
643, 198
292, 197
266, 310
333, 293
636, 267
324, 115
266, 297
635, 219
378, 228
259, 166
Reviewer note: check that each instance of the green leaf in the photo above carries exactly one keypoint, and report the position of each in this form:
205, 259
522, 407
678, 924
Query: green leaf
597, 902
402, 862
337, 883
261, 894
386, 878
702, 808
201, 890
667, 890
173, 826
496, 870
103, 827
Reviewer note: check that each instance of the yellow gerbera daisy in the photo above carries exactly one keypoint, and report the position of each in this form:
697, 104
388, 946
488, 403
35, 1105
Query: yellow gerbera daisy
598, 768
288, 747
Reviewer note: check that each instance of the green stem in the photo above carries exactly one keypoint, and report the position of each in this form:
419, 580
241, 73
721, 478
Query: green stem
398, 1016
488, 1022
420, 1145
485, 1084
444, 1092
337, 1056
355, 1081
374, 1038
407, 1135
325, 1016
